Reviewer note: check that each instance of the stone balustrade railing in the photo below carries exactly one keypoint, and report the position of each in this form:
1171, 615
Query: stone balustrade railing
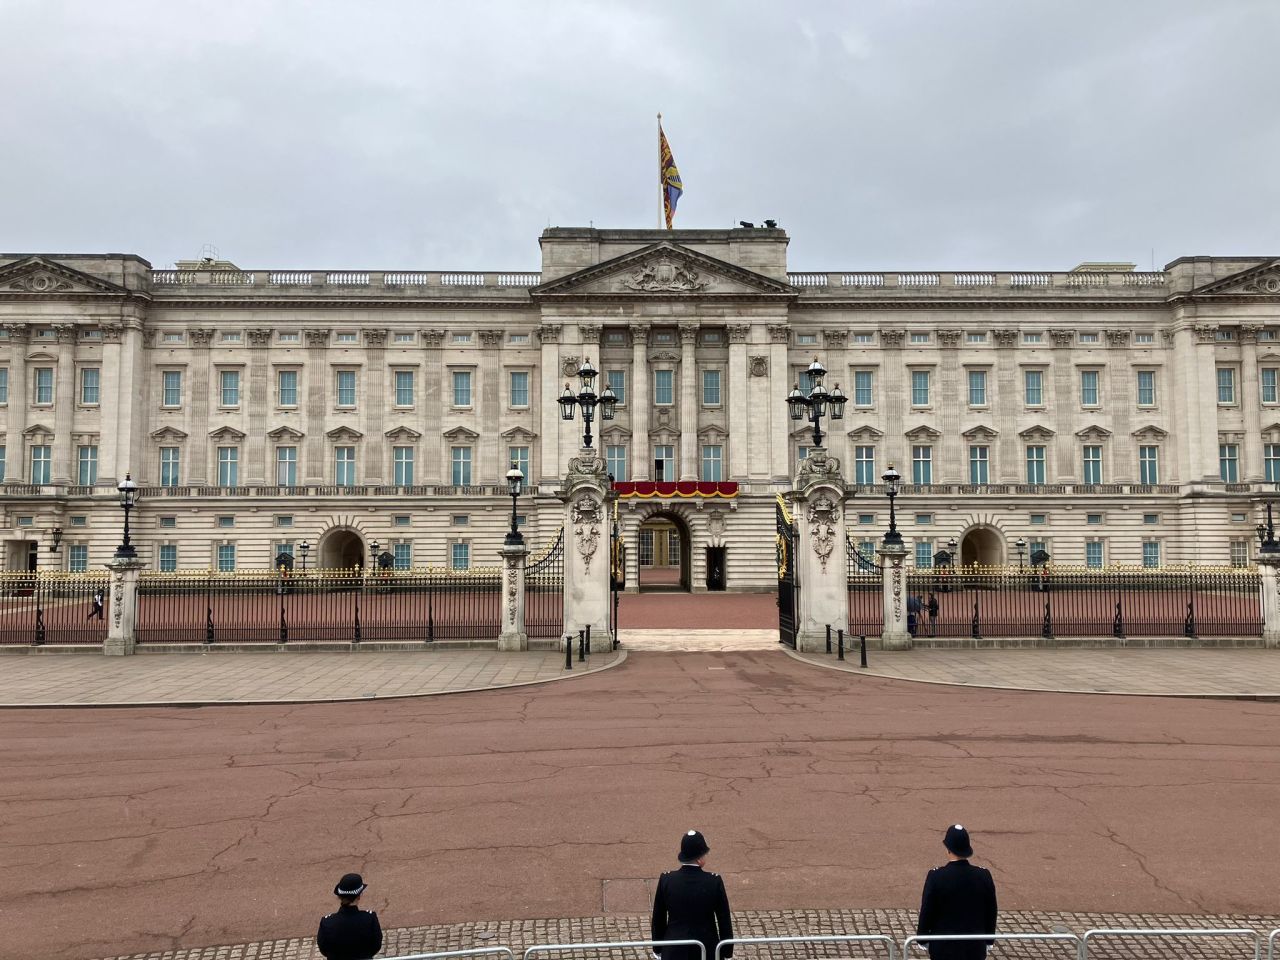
313, 281
983, 283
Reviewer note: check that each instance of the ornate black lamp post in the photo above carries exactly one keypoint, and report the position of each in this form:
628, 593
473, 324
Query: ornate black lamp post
1021, 546
588, 400
515, 485
818, 402
374, 547
891, 480
128, 500
1267, 542
56, 533
305, 548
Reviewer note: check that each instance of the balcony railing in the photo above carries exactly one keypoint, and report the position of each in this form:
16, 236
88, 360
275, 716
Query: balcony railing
339, 281
984, 283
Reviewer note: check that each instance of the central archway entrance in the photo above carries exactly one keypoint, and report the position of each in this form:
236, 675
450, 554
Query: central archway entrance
662, 546
982, 546
341, 550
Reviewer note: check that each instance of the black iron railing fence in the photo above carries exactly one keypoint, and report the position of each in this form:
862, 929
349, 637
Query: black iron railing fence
54, 607
866, 592
1056, 601
544, 591
268, 606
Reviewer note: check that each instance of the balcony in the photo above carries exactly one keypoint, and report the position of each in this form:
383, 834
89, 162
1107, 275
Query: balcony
1122, 285
220, 284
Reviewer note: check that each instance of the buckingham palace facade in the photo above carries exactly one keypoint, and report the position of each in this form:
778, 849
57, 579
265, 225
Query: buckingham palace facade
1100, 414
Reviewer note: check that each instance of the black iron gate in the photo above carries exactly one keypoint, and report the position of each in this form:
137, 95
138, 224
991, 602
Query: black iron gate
865, 578
787, 588
544, 592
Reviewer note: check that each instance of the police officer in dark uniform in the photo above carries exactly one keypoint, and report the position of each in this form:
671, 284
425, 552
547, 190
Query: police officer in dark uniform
691, 904
958, 898
351, 933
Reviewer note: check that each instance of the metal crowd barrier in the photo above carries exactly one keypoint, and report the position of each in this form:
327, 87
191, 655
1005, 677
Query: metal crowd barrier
879, 938
922, 939
621, 944
478, 952
1271, 944
1096, 934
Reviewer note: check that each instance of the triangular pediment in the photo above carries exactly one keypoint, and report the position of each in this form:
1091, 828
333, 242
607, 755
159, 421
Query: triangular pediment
1261, 279
38, 430
168, 435
227, 433
1036, 432
980, 432
923, 432
664, 270
1150, 432
713, 432
344, 434
866, 433
402, 434
284, 433
461, 433
518, 435
615, 434
38, 276
1093, 432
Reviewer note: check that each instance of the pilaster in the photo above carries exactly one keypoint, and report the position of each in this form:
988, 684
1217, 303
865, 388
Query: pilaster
739, 420
688, 402
549, 411
198, 443
586, 550
1251, 465
641, 462
894, 634
258, 402
123, 602
65, 400
374, 402
513, 636
19, 400
818, 499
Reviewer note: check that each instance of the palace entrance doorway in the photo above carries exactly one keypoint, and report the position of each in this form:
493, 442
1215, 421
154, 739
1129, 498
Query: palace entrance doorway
982, 546
662, 546
341, 550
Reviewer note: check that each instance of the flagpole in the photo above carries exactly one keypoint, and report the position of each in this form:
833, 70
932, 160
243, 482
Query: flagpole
662, 208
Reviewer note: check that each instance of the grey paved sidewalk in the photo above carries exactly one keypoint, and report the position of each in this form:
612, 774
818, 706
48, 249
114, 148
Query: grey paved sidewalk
1169, 672
898, 924
273, 677
703, 641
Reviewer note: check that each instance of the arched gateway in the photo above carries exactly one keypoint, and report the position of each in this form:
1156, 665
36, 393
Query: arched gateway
341, 549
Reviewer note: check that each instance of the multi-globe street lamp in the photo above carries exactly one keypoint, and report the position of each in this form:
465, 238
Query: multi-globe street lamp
818, 402
588, 400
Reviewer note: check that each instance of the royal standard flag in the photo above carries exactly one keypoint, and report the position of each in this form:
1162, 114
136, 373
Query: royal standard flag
668, 178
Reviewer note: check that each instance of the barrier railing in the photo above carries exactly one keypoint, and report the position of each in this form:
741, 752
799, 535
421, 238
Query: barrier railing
1271, 944
922, 940
619, 945
1094, 935
450, 954
876, 938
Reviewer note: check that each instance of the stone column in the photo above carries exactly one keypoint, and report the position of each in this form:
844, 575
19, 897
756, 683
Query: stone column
1066, 465
65, 400
780, 417
688, 402
1007, 464
123, 601
1205, 466
818, 497
513, 636
197, 466
895, 383
894, 634
19, 400
1122, 398
114, 398
374, 403
549, 392
1251, 465
260, 403
434, 404
836, 342
952, 400
739, 429
1269, 571
641, 461
586, 550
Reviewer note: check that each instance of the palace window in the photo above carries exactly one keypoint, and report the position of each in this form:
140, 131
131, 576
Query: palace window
519, 383
172, 388
924, 554
168, 557
922, 464
919, 337
615, 456
1088, 338
1144, 338
864, 465
664, 462
711, 388
1033, 388
287, 388
90, 386
1089, 388
977, 388
287, 466
460, 462
1093, 554
863, 385
975, 337
44, 385
1148, 464
4, 385
169, 467
1267, 378
344, 466
663, 386
1229, 462
617, 381
229, 388
402, 552
919, 388
226, 557
1239, 552
1031, 338
1146, 388
712, 462
78, 558
1271, 461
1151, 553
1092, 456
228, 466
41, 463
864, 338
1035, 464
1226, 385
462, 388
402, 466
979, 463
460, 556
404, 388
346, 383
87, 461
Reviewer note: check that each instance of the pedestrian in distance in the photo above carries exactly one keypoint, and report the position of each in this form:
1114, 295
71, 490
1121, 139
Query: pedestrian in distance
958, 898
98, 604
351, 933
932, 608
914, 608
691, 904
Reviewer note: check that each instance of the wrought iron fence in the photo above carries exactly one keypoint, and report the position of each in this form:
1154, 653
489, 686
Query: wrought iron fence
38, 608
1056, 601
280, 606
866, 591
544, 591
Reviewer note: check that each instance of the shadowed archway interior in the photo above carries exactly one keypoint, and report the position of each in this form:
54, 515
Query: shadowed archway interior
341, 549
663, 551
982, 546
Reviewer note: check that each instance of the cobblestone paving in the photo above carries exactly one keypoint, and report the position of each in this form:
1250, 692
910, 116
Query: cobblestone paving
518, 935
272, 677
1183, 672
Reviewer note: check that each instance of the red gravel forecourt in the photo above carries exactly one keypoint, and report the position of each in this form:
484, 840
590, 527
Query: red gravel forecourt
147, 829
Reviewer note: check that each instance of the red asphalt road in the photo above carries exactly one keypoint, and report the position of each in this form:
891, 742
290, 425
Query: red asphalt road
143, 829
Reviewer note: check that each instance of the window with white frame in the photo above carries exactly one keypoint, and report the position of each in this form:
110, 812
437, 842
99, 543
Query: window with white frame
663, 387
1224, 335
977, 388
1271, 462
864, 338
919, 388
919, 337
171, 381
518, 456
4, 386
664, 462
228, 466
402, 552
806, 339
230, 336
712, 462
1092, 463
1088, 338
615, 457
1144, 338
344, 466
284, 520
518, 383
168, 557
1033, 388
404, 388
864, 465
975, 336
518, 338
87, 464
286, 466
711, 388
402, 466
1151, 554
44, 386
1148, 464
1239, 552
1226, 385
345, 336
863, 387
1146, 388
460, 464
229, 388
922, 464
460, 555
288, 336
461, 380
1088, 388
1229, 462
78, 557
404, 337
1032, 338
90, 386
226, 557
924, 554
345, 381
461, 338
1093, 556
287, 388
1267, 381
617, 381
979, 463
1035, 463
169, 467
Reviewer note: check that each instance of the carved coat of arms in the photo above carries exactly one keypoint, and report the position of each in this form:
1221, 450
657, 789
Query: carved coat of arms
665, 276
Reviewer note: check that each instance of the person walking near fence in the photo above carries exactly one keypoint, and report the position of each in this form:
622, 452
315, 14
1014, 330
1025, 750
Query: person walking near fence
691, 904
932, 608
914, 609
99, 603
351, 933
958, 898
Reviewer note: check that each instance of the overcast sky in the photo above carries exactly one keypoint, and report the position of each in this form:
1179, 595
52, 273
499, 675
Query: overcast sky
447, 135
